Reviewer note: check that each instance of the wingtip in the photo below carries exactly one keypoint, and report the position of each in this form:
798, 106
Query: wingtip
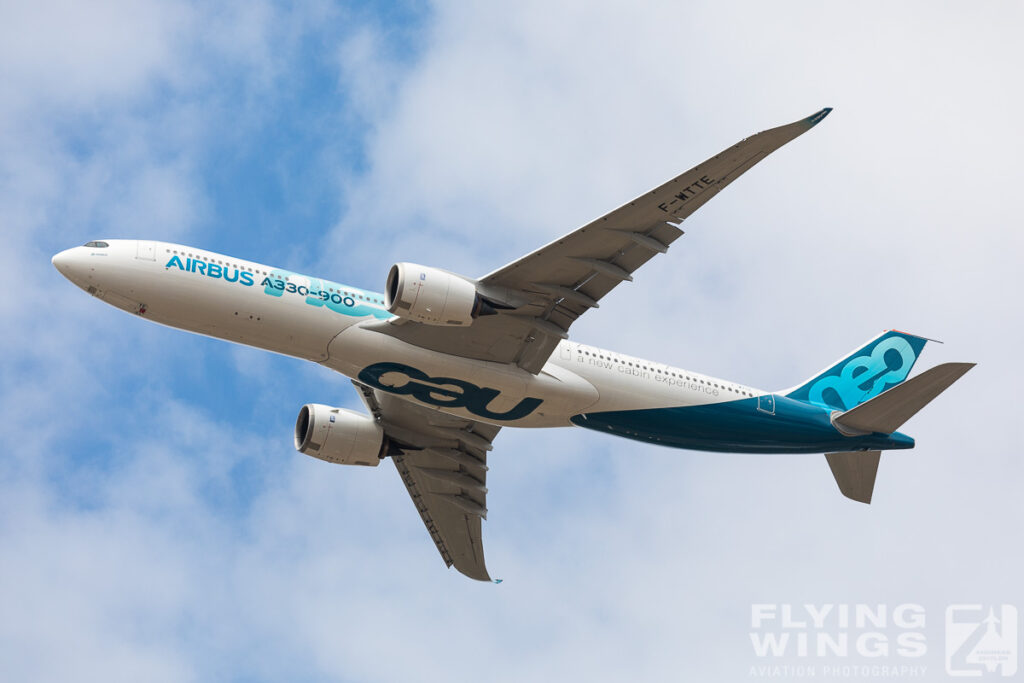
815, 119
964, 367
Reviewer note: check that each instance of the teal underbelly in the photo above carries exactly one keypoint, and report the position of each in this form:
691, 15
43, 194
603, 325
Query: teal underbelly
738, 427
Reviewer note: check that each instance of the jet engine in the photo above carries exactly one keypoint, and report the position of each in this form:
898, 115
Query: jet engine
340, 436
432, 296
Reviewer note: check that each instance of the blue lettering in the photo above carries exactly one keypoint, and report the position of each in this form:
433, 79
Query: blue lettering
215, 270
485, 396
864, 377
444, 391
274, 284
314, 292
337, 307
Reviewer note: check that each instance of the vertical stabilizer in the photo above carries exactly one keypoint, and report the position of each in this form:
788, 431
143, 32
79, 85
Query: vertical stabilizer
883, 362
855, 473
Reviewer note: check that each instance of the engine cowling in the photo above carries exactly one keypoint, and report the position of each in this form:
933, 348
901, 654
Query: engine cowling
432, 296
340, 436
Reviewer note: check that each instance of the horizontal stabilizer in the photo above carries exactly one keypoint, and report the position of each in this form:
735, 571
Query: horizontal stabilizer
886, 412
855, 473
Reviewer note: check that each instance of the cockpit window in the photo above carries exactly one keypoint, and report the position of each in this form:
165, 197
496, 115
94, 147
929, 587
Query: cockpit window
96, 245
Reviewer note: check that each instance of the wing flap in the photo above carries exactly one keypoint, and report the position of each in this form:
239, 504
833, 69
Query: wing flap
451, 513
442, 461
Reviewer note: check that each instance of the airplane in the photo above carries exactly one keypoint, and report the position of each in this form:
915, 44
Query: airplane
442, 361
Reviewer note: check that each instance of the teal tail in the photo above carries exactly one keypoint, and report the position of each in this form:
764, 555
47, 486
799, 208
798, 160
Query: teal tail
855, 470
883, 362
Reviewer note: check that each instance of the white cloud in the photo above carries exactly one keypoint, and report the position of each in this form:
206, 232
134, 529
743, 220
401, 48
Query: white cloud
72, 54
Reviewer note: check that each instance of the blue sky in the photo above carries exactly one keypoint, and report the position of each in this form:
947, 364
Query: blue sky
155, 521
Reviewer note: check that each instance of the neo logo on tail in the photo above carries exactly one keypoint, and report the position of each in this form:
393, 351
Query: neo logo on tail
884, 362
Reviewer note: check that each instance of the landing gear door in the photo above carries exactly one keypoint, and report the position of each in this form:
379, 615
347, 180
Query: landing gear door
766, 403
146, 251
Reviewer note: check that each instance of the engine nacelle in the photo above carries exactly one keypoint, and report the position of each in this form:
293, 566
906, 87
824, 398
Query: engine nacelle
338, 435
432, 296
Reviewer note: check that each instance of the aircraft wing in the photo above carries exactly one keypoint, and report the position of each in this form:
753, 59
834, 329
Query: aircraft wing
544, 292
443, 464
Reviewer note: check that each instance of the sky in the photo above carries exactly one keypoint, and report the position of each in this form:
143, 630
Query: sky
156, 522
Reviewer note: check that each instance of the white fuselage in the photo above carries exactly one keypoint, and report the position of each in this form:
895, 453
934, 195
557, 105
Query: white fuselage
333, 324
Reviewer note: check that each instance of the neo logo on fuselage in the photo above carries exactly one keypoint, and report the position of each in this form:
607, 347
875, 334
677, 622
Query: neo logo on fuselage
445, 392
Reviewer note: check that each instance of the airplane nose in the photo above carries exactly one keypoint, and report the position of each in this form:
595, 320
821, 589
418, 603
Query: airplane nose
66, 263
62, 261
